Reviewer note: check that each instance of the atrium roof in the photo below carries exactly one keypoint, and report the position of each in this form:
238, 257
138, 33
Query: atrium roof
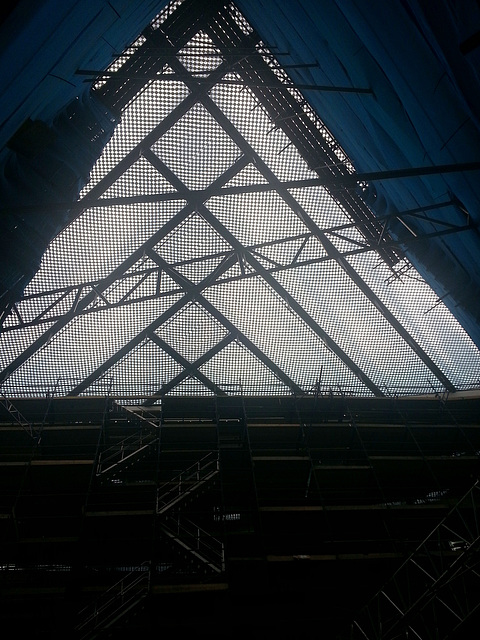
225, 237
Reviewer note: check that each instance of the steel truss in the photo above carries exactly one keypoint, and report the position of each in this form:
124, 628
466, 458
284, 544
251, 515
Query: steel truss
434, 593
243, 54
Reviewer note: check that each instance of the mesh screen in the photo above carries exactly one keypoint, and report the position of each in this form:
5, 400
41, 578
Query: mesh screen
269, 141
139, 374
194, 248
196, 149
237, 370
15, 342
130, 270
143, 114
284, 338
192, 332
256, 217
85, 344
249, 175
356, 325
98, 242
140, 179
323, 209
425, 317
200, 56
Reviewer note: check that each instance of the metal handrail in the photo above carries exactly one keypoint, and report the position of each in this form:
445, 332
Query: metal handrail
197, 540
371, 612
114, 600
186, 481
118, 452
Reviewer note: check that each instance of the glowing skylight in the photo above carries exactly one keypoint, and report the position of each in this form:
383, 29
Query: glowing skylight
211, 258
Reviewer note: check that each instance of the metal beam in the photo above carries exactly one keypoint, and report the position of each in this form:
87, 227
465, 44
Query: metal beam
96, 75
190, 368
445, 581
90, 297
191, 293
118, 272
180, 279
271, 178
182, 193
134, 342
197, 92
327, 244
265, 275
258, 353
292, 303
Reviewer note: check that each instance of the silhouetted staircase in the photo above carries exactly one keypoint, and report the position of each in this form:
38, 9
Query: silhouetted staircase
124, 453
434, 593
191, 541
194, 544
188, 484
121, 600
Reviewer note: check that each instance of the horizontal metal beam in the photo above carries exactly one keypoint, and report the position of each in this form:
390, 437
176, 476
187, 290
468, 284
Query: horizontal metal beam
182, 193
176, 77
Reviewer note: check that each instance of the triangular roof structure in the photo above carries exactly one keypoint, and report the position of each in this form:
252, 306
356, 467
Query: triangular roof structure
225, 243
240, 318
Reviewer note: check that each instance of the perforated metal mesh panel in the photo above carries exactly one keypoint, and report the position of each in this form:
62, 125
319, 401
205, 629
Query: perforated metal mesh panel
212, 251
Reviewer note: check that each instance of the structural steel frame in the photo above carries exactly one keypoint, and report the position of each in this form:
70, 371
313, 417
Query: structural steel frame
244, 54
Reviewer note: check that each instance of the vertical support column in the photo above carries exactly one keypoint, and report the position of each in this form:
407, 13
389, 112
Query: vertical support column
244, 556
80, 561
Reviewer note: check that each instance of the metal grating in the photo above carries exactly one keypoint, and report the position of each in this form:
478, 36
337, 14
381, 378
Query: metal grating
219, 249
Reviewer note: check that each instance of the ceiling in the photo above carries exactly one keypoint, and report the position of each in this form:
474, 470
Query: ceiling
343, 196
281, 202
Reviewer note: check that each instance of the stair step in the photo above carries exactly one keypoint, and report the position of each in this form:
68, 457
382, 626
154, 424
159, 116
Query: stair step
115, 605
189, 553
129, 459
194, 489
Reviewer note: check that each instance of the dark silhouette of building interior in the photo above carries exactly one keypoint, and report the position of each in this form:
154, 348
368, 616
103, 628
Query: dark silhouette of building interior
226, 427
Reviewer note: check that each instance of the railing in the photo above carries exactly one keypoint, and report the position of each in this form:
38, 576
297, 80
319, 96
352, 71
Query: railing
196, 541
126, 448
187, 481
142, 413
114, 603
436, 586
17, 416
